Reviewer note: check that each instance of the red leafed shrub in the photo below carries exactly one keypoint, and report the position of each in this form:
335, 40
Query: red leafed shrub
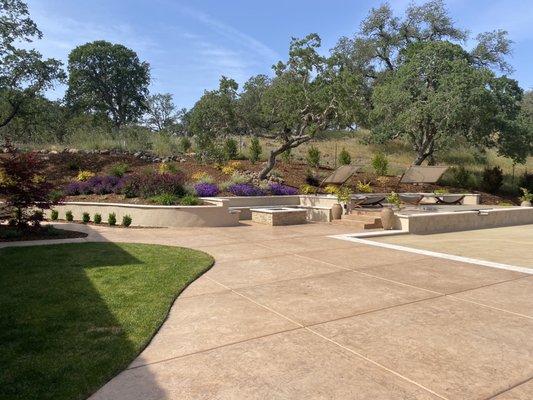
23, 188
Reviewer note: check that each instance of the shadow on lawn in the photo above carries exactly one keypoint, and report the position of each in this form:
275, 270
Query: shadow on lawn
60, 339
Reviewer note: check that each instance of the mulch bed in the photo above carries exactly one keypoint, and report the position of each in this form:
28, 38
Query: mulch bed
11, 234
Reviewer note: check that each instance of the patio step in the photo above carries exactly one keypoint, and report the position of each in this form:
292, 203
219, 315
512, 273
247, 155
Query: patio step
360, 220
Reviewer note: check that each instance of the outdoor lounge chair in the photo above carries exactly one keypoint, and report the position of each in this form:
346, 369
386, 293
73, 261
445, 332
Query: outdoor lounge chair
450, 199
365, 200
340, 175
413, 199
422, 174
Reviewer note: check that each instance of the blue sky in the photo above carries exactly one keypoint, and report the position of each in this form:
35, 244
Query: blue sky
190, 44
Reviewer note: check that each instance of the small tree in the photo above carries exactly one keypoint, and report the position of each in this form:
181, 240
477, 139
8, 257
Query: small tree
23, 187
313, 157
344, 157
380, 164
231, 148
255, 150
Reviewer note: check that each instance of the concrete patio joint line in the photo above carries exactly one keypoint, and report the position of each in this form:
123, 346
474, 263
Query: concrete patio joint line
430, 253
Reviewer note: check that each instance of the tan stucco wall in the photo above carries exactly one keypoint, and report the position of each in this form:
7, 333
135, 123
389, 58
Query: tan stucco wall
155, 216
466, 220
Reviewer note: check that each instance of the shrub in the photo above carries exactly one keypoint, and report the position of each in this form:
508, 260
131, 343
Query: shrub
190, 200
55, 196
165, 199
344, 157
85, 217
526, 195
239, 177
170, 168
153, 184
202, 177
205, 189
185, 144
112, 219
232, 167
307, 189
331, 189
97, 218
363, 187
69, 216
245, 189
278, 189
492, 179
95, 185
527, 181
126, 220
255, 150
164, 144
84, 175
311, 178
119, 169
380, 163
313, 157
36, 218
462, 177
54, 215
231, 148
22, 186
394, 199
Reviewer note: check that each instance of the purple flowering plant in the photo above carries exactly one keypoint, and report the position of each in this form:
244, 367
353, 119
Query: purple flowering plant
205, 189
278, 189
245, 189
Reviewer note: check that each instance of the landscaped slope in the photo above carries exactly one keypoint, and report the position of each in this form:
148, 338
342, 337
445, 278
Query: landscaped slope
74, 315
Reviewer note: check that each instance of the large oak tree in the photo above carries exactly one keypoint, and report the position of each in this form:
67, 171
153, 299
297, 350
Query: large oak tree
110, 79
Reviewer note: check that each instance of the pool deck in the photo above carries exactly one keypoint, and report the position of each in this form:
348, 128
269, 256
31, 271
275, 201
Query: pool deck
290, 313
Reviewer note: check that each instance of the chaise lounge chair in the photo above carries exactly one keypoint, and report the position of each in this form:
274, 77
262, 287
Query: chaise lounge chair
413, 199
365, 200
422, 174
450, 199
340, 175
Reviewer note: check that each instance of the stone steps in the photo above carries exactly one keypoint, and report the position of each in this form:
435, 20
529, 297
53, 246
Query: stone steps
360, 220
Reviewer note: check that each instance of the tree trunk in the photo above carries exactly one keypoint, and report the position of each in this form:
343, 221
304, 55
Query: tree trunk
271, 162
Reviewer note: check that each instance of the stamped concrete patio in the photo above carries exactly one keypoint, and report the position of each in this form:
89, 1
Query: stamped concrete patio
288, 313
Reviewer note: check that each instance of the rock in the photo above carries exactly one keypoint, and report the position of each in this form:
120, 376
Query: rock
166, 159
105, 151
138, 154
53, 152
183, 160
73, 151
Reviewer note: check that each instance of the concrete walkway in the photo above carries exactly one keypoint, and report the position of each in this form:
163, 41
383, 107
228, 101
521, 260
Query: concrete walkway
287, 313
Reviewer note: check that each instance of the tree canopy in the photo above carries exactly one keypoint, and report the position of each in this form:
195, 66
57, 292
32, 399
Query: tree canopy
110, 79
438, 93
24, 73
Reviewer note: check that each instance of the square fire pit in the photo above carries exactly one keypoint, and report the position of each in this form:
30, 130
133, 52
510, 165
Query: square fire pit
279, 216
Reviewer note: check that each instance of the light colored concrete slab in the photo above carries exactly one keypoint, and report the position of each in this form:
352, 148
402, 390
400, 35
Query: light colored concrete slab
201, 286
443, 276
459, 350
520, 392
242, 273
289, 366
515, 296
239, 251
360, 256
509, 245
295, 245
336, 295
208, 321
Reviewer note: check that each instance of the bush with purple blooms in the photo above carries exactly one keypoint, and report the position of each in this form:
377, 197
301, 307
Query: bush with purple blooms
278, 189
95, 185
153, 184
245, 189
205, 189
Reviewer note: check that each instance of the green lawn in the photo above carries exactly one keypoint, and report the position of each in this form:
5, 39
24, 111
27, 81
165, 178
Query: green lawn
74, 315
